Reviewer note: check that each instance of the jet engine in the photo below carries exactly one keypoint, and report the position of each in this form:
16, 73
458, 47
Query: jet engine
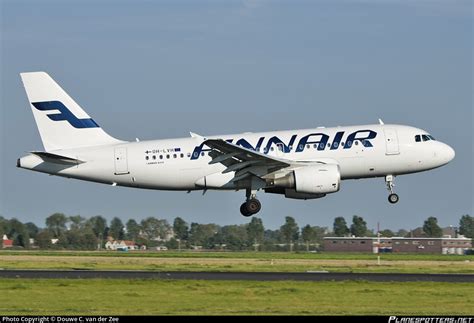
308, 182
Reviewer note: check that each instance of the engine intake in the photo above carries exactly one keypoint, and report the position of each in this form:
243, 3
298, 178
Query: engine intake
317, 179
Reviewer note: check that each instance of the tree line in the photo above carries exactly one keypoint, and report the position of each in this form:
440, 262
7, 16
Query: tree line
77, 232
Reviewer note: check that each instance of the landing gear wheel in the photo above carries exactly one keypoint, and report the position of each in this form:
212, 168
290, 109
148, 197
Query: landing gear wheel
253, 206
244, 211
393, 198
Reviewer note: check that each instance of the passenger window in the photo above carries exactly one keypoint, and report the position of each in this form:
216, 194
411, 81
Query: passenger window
174, 156
181, 155
417, 138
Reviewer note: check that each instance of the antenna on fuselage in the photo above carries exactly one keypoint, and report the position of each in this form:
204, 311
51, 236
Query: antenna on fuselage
381, 122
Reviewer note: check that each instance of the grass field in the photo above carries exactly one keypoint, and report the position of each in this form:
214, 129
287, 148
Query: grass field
240, 261
149, 297
152, 297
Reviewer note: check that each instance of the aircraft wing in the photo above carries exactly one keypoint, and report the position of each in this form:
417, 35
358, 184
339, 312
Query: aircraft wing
243, 161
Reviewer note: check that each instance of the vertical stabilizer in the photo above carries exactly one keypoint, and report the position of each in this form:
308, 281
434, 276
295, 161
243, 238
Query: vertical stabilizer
61, 122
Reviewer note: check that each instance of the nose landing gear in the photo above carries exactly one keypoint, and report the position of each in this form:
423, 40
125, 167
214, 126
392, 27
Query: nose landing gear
392, 198
252, 205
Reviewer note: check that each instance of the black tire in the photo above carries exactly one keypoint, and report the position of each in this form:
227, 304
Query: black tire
244, 211
393, 198
253, 206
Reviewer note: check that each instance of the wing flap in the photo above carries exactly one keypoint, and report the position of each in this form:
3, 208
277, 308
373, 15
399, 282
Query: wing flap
243, 161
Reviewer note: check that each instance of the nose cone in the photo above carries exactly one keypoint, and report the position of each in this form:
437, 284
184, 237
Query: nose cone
447, 153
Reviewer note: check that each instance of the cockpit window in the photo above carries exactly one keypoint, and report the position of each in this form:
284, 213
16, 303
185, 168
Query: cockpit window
425, 137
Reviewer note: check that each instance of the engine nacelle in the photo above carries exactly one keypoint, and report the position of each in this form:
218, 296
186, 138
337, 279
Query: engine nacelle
316, 180
321, 179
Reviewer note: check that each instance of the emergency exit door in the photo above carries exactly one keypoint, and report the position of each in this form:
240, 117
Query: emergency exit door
391, 142
121, 163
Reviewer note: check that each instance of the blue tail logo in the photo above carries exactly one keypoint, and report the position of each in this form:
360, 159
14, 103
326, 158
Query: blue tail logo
64, 114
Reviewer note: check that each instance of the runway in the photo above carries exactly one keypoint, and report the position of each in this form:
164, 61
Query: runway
255, 276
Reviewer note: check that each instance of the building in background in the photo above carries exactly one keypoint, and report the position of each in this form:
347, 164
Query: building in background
6, 243
445, 245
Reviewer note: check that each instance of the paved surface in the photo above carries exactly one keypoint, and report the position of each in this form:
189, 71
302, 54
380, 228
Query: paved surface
258, 276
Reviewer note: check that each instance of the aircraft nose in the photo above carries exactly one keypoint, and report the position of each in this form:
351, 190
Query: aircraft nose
448, 153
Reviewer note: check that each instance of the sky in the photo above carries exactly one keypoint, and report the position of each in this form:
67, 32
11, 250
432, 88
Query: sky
159, 69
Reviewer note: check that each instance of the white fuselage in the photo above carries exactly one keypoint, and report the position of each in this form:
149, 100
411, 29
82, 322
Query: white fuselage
181, 164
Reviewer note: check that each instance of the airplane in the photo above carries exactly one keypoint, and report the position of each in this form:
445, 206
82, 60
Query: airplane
298, 164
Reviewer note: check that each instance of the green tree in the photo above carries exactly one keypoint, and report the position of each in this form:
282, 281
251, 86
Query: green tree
401, 233
466, 226
340, 228
133, 230
117, 229
290, 231
17, 232
308, 234
181, 231
431, 228
89, 240
320, 233
98, 225
416, 233
32, 229
387, 233
271, 238
358, 226
77, 222
233, 236
255, 232
203, 234
56, 224
155, 229
43, 239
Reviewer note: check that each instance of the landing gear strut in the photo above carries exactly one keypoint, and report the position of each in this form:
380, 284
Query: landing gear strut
252, 205
392, 198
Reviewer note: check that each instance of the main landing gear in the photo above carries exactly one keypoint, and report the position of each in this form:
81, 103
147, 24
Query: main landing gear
252, 205
392, 198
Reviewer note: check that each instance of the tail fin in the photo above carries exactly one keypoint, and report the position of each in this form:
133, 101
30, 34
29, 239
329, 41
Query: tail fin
61, 122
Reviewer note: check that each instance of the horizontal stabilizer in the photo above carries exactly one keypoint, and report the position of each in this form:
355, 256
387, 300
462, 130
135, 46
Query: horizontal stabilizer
57, 159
